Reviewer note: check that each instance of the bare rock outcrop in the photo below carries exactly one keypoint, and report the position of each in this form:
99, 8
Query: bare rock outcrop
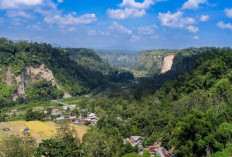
167, 63
29, 76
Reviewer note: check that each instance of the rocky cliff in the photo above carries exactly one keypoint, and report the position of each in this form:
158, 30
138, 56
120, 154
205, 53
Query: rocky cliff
23, 63
156, 61
167, 63
174, 61
27, 77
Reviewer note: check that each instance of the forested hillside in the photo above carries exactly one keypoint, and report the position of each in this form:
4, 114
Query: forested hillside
90, 59
160, 61
190, 114
187, 110
152, 61
25, 65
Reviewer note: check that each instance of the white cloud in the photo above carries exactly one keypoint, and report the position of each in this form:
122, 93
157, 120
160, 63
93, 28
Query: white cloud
125, 13
147, 30
228, 12
104, 33
120, 29
175, 20
192, 29
223, 25
71, 29
154, 37
204, 18
193, 4
60, 1
14, 14
131, 9
54, 16
196, 37
134, 38
9, 4
17, 21
133, 4
70, 19
94, 33
33, 27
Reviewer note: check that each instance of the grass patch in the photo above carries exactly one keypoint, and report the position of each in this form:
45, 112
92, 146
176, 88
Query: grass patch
72, 100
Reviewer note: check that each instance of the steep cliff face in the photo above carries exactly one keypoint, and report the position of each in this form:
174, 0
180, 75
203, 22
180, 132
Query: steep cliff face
27, 77
77, 77
155, 62
174, 61
167, 63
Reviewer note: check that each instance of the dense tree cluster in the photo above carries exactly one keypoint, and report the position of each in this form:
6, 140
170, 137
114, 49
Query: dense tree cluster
88, 58
188, 110
43, 91
191, 112
74, 78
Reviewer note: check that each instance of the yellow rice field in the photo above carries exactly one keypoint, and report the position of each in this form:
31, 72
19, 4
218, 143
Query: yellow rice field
38, 130
41, 128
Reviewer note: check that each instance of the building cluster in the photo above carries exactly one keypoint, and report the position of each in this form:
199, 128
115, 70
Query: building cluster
133, 140
66, 114
156, 149
90, 119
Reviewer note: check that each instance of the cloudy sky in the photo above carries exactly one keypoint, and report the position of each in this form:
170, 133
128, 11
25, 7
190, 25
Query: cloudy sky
119, 24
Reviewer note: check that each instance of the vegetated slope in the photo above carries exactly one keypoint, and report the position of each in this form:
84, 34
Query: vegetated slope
117, 58
89, 59
23, 64
191, 112
163, 60
184, 61
202, 100
155, 61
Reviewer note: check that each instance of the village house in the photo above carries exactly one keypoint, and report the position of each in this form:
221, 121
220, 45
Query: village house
73, 117
83, 121
160, 151
60, 118
76, 122
56, 112
46, 119
93, 123
91, 116
133, 140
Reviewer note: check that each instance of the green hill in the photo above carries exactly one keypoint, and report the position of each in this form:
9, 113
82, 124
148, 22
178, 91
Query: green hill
89, 59
25, 65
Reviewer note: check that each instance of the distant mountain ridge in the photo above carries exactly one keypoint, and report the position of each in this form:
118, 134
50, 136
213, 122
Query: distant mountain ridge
119, 58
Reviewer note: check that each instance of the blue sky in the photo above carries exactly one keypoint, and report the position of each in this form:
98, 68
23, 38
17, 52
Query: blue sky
119, 24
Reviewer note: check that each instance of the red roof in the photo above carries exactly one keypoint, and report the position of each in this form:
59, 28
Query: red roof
132, 141
162, 151
153, 148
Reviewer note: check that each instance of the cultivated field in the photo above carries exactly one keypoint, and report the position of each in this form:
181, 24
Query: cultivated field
38, 130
